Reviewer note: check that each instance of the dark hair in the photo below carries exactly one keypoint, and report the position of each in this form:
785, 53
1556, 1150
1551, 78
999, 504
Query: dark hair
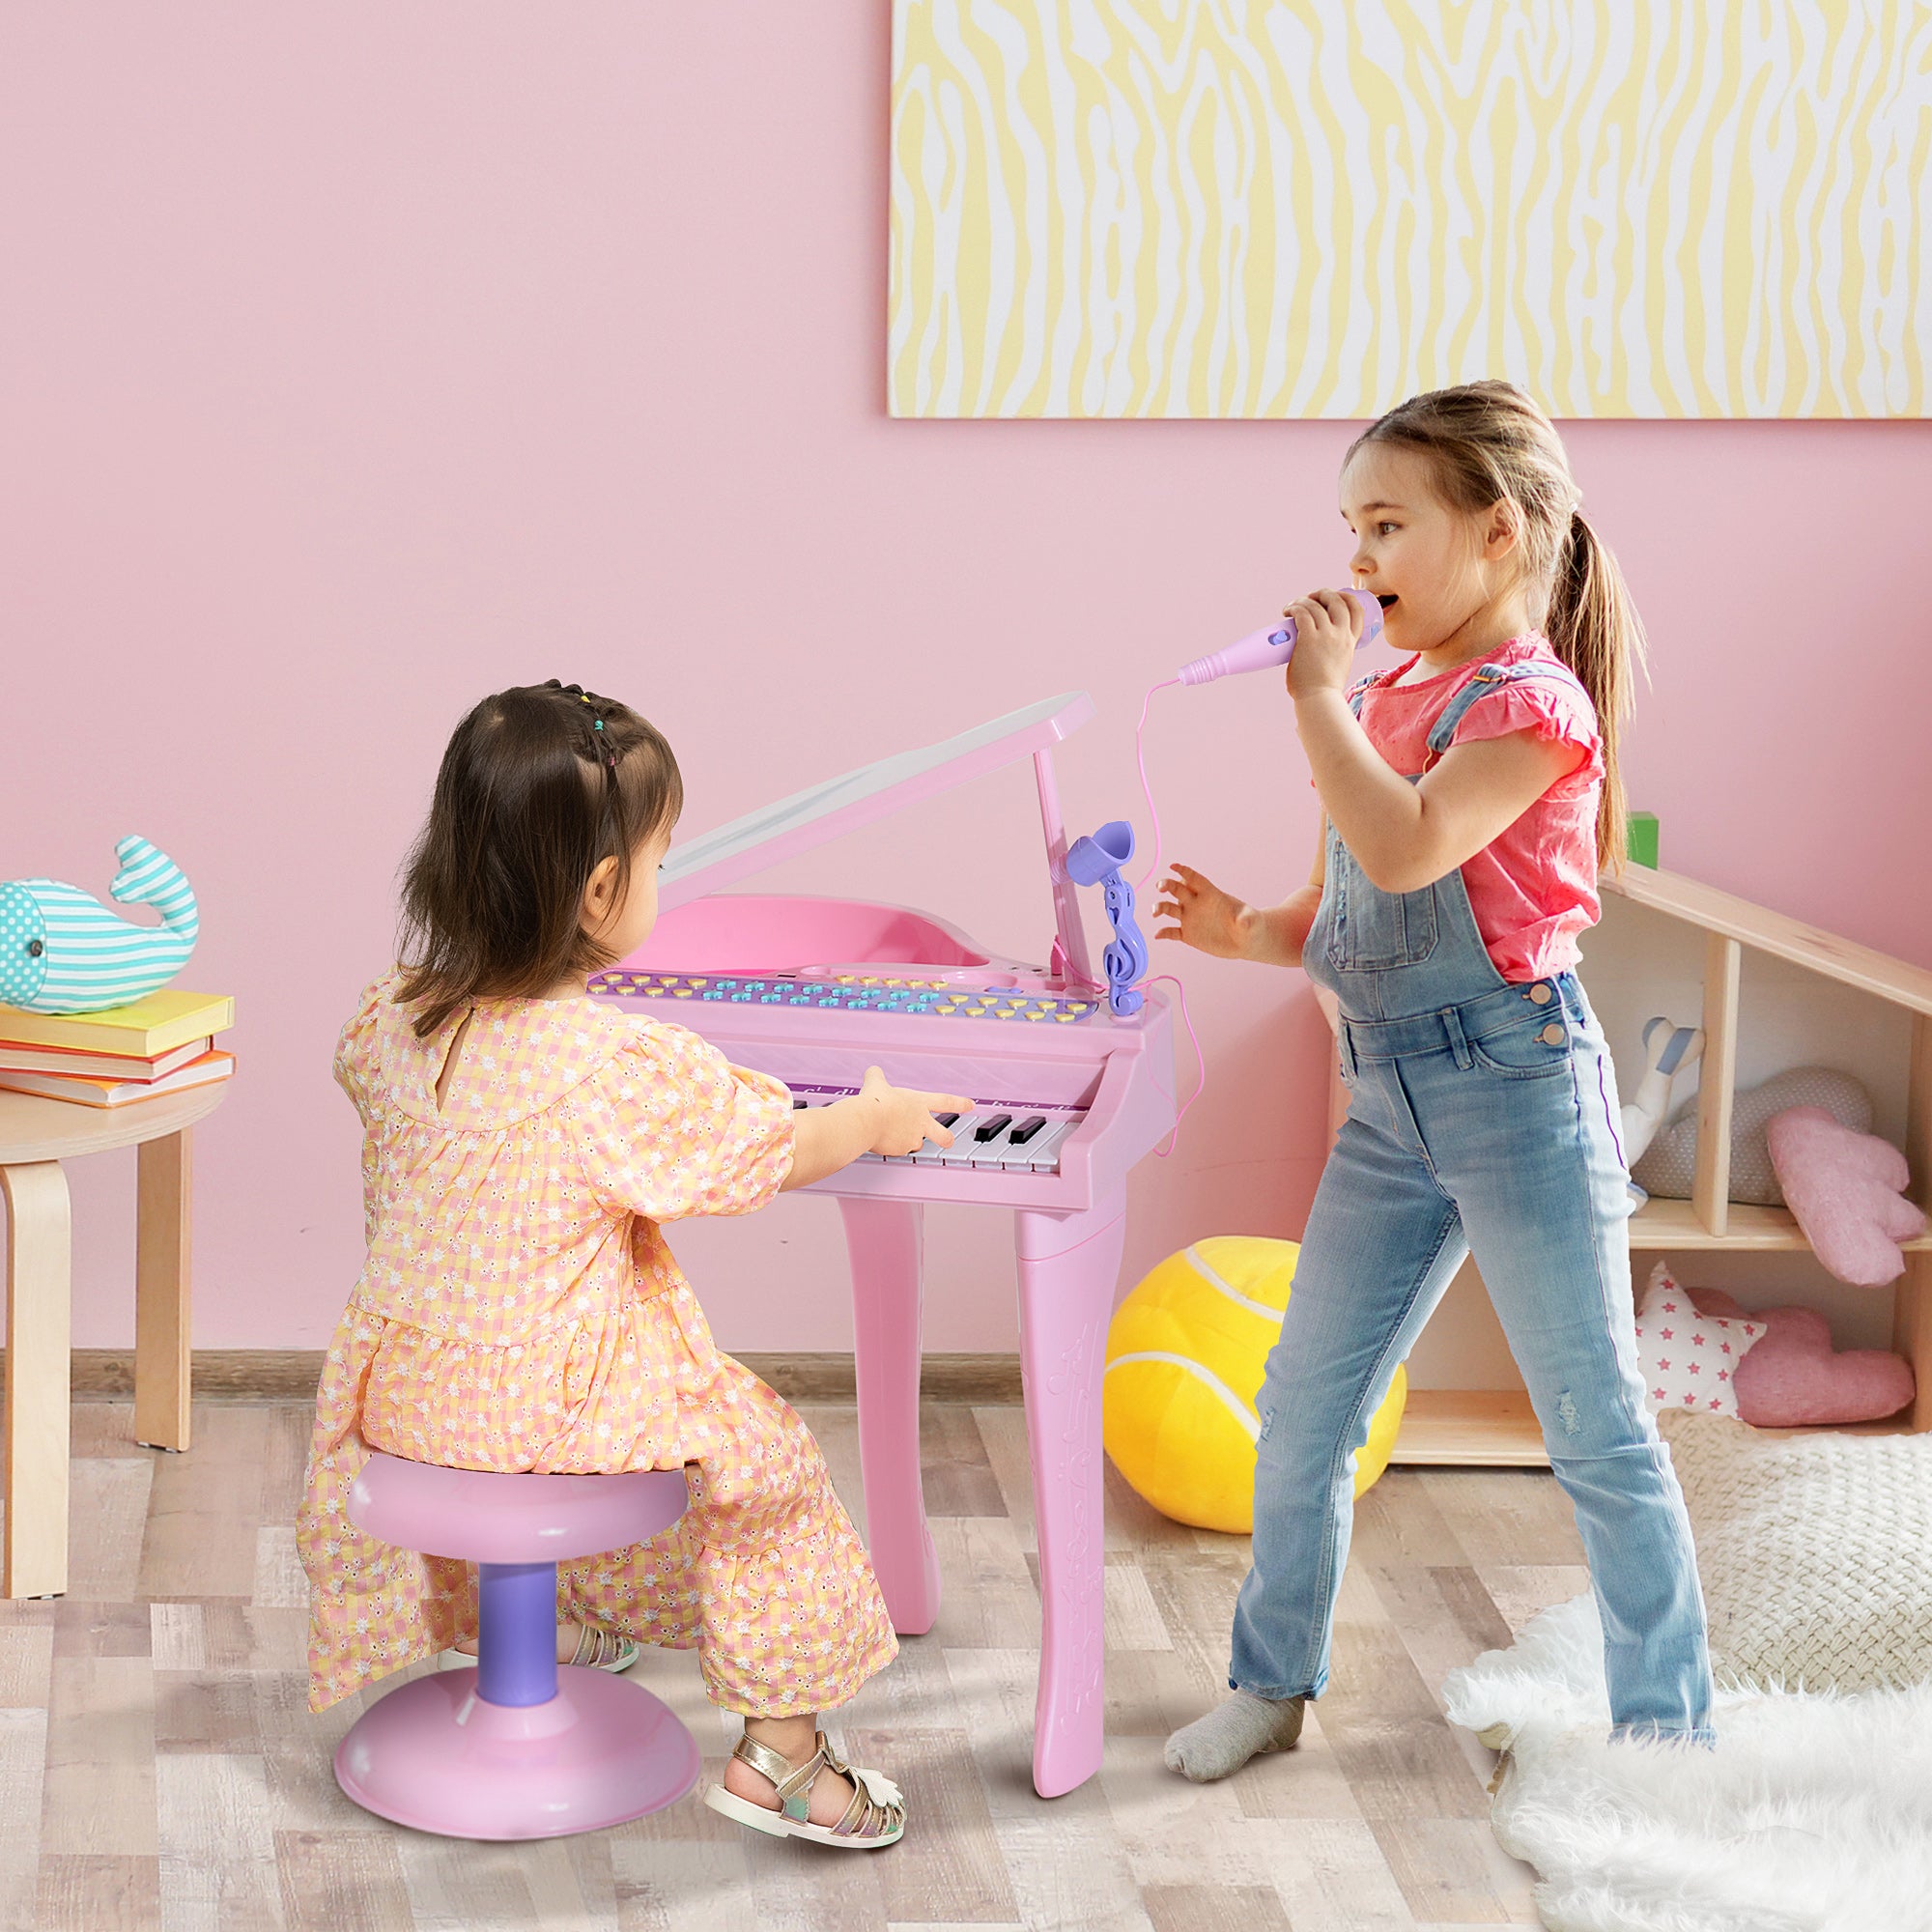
1489, 444
539, 786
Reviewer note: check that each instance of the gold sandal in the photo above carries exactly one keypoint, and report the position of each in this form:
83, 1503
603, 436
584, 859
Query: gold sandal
596, 1650
599, 1649
874, 1819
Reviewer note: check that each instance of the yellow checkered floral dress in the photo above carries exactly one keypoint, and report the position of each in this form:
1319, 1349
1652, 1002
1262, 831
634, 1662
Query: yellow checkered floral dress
520, 1310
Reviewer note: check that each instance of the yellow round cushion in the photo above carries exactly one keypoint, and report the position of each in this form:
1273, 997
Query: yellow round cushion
1185, 1355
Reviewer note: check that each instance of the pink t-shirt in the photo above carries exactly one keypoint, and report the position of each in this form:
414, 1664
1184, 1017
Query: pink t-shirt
1533, 888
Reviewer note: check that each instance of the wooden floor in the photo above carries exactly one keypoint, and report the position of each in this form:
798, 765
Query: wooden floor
159, 1766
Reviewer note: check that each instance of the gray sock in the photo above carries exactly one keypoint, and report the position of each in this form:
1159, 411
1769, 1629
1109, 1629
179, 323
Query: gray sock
1230, 1735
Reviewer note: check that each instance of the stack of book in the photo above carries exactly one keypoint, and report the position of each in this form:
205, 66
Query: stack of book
162, 1044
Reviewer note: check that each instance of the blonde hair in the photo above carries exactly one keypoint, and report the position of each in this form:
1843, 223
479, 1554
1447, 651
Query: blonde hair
1488, 443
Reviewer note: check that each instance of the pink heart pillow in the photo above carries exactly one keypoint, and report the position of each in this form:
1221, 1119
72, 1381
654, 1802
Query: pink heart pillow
1791, 1380
1847, 1193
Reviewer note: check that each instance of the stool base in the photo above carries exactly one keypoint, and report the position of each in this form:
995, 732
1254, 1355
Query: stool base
432, 1755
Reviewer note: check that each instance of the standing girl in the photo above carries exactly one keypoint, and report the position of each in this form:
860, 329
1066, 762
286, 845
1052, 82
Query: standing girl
1471, 795
520, 1309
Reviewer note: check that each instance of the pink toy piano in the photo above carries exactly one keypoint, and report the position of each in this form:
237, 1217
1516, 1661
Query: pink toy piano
1066, 1099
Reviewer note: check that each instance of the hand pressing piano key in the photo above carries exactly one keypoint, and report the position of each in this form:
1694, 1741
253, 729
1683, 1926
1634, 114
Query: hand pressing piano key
903, 1118
880, 1121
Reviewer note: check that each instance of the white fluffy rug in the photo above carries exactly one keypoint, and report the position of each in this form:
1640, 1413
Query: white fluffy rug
1813, 1813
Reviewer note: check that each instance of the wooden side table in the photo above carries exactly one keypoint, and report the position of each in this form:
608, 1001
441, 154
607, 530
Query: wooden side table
36, 1136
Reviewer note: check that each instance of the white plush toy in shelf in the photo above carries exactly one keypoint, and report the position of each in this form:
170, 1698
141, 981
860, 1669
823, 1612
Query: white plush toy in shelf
1668, 1050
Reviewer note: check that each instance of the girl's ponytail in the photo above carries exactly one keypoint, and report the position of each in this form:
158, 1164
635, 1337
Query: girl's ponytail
1593, 626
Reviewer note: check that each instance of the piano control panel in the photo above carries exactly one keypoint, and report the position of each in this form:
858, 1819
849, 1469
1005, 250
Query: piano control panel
857, 991
1012, 1136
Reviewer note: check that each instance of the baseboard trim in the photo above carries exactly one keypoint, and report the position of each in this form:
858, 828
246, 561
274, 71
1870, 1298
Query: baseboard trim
291, 1375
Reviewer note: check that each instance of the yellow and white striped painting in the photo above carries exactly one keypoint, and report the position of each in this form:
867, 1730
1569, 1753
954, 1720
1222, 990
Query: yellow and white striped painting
1315, 207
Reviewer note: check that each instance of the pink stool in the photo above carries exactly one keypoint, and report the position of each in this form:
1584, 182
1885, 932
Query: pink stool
521, 1747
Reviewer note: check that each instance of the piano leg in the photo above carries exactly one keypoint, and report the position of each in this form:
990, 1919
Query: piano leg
883, 1240
1067, 1270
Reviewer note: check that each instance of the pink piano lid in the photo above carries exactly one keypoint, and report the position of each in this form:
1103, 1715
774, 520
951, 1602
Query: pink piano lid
824, 812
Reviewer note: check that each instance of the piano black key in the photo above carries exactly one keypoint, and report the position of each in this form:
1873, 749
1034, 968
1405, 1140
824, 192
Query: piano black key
946, 1119
1026, 1131
998, 1123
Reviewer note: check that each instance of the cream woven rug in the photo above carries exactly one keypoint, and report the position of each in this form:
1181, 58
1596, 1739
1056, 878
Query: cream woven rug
1813, 1813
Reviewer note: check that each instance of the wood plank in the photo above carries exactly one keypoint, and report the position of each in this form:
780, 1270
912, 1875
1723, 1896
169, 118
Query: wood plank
1521, 1591
1716, 1084
110, 1497
1069, 1870
1911, 1333
1670, 1225
1475, 1428
33, 1129
957, 1478
26, 1655
1440, 1865
1215, 1908
1389, 1736
1331, 1875
1776, 932
99, 1892
39, 1329
687, 1884
1507, 1516
280, 1581
1195, 1595
948, 1866
23, 1754
101, 1630
347, 1881
1179, 1835
1912, 1304
163, 1238
218, 1853
458, 1886
99, 1799
1443, 1615
206, 1510
988, 1600
286, 1466
1397, 1525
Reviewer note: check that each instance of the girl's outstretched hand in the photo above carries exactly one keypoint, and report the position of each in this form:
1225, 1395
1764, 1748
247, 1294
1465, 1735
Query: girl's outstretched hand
901, 1120
1326, 625
1208, 919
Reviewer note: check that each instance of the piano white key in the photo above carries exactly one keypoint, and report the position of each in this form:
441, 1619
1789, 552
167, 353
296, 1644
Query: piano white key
986, 1152
1044, 1150
960, 1152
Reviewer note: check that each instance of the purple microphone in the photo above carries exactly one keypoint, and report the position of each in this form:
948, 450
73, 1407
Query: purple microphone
1272, 647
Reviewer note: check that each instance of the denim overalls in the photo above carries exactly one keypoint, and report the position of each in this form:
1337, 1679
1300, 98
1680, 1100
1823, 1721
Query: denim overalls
1482, 1115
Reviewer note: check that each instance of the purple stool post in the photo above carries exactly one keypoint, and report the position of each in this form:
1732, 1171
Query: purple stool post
519, 1746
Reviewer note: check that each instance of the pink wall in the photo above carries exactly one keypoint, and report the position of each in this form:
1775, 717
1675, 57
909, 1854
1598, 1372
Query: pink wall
359, 360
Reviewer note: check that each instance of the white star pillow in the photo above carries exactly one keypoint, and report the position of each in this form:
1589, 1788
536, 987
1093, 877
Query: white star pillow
1688, 1360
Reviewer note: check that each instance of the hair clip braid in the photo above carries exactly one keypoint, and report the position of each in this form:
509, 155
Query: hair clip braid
599, 738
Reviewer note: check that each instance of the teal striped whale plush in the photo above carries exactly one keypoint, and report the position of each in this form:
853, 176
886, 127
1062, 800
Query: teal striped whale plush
63, 951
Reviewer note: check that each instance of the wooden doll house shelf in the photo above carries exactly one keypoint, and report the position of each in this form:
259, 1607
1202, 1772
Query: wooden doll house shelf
1772, 993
